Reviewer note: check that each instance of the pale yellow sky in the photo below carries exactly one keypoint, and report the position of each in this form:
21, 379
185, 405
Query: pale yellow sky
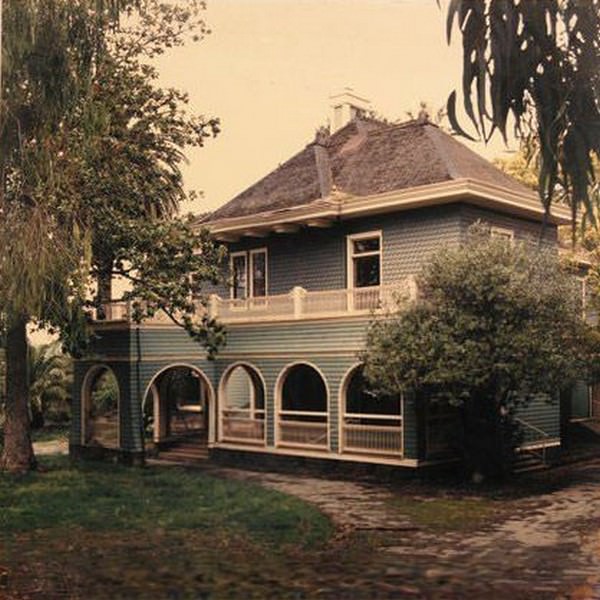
269, 67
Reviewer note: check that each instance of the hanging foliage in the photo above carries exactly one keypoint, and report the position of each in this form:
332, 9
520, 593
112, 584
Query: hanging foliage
535, 65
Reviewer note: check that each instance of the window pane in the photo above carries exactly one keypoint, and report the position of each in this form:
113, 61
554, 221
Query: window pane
239, 277
259, 274
366, 245
366, 271
502, 234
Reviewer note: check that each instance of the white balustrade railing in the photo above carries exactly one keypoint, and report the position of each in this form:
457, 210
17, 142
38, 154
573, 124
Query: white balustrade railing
372, 439
297, 304
241, 426
302, 304
372, 434
303, 433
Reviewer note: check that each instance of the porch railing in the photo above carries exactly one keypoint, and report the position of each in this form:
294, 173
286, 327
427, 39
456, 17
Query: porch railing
372, 434
302, 304
297, 304
303, 429
535, 440
240, 426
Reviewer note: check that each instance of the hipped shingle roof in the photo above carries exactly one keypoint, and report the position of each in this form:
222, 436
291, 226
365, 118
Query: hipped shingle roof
364, 158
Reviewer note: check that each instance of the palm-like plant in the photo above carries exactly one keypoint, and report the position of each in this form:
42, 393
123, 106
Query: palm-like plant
50, 374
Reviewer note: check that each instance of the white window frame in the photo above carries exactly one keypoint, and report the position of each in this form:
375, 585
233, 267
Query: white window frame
248, 257
503, 233
232, 257
264, 250
350, 255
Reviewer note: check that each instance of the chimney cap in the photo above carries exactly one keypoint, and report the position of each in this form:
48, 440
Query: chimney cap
347, 95
347, 106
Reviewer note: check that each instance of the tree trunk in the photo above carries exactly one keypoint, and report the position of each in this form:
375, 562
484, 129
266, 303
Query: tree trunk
104, 296
17, 455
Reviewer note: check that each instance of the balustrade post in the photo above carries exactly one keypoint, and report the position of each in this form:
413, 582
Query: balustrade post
213, 306
413, 290
298, 294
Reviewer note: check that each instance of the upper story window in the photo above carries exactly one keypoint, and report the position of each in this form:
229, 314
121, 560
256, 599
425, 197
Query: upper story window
249, 274
503, 233
364, 260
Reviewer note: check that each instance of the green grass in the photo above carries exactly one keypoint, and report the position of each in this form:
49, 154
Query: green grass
102, 497
97, 530
448, 513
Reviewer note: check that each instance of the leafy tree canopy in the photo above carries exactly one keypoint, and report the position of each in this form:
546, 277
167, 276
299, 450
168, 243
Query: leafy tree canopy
90, 181
494, 326
539, 64
92, 164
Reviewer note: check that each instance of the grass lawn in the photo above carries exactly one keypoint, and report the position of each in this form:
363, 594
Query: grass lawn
448, 513
104, 531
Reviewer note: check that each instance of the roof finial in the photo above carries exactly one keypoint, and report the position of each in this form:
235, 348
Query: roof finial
322, 134
423, 116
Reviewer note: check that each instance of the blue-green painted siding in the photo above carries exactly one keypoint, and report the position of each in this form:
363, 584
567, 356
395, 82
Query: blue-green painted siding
580, 401
332, 346
524, 229
543, 413
316, 260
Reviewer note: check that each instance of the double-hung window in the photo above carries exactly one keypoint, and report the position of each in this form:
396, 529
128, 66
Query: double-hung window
503, 233
249, 274
364, 260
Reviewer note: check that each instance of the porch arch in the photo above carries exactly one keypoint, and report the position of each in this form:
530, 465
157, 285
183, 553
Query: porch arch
152, 394
242, 404
369, 423
100, 408
302, 407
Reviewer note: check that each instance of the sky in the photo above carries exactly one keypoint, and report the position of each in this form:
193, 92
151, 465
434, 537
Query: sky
268, 68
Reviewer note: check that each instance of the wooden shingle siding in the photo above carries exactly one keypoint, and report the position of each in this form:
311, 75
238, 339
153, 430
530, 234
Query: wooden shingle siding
316, 259
524, 229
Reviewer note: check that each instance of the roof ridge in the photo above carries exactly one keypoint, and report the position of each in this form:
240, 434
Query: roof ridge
434, 136
403, 125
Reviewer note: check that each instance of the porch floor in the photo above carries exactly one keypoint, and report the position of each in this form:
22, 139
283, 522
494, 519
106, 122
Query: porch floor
185, 449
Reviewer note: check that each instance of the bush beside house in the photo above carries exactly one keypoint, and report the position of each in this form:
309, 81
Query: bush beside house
496, 325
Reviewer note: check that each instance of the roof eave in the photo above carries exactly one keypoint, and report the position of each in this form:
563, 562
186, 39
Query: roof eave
474, 191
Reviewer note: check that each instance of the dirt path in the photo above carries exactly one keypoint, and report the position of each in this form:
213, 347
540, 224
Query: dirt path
51, 447
548, 548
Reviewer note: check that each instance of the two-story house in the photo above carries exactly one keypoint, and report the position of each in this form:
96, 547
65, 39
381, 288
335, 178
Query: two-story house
316, 247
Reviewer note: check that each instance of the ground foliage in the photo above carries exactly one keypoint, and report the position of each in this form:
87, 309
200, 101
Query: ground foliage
537, 65
495, 326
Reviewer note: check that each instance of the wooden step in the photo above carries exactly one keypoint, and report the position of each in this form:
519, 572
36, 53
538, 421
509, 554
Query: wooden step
527, 462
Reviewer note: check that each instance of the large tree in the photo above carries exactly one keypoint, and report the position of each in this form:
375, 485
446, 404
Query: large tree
89, 165
535, 65
494, 326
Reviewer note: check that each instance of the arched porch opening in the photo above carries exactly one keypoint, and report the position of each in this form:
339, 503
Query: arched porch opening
100, 397
371, 421
178, 406
302, 400
242, 394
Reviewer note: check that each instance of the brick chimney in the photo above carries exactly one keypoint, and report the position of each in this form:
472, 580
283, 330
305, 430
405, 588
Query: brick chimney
346, 106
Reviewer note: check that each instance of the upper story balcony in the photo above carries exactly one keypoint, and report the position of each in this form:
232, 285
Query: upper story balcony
298, 304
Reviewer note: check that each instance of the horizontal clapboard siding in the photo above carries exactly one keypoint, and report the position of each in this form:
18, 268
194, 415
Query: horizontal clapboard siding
542, 414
